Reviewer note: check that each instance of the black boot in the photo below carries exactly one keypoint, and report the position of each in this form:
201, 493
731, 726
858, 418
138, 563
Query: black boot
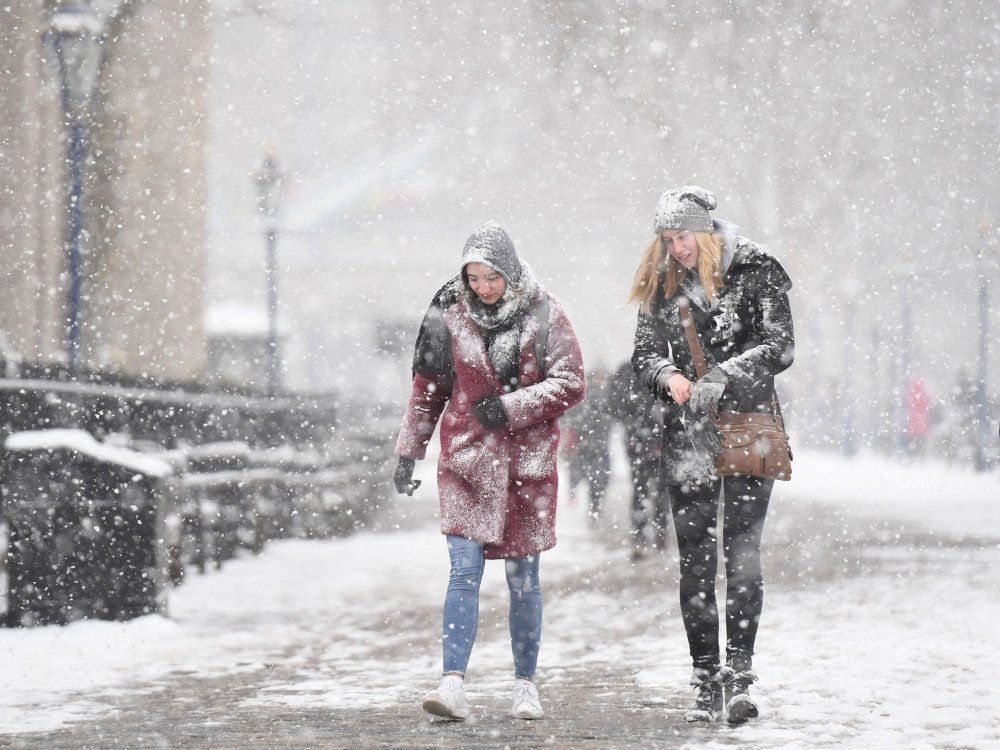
739, 705
708, 695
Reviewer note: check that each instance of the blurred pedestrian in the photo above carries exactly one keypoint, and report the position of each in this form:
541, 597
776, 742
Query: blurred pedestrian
641, 417
736, 293
497, 362
918, 416
972, 429
588, 450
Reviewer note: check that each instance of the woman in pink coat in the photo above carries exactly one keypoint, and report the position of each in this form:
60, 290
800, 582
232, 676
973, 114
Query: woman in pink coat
496, 362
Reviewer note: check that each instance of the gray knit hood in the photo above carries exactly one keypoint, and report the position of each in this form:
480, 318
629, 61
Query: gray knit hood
491, 245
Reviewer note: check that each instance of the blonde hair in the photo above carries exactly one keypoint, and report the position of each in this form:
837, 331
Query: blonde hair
656, 262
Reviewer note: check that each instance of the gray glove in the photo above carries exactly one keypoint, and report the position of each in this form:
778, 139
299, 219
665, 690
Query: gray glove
707, 391
490, 413
403, 478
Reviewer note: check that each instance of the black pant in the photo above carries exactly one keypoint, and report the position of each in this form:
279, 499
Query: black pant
695, 511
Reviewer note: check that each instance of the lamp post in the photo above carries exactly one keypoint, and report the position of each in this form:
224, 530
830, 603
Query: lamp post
904, 276
850, 288
73, 34
269, 180
985, 268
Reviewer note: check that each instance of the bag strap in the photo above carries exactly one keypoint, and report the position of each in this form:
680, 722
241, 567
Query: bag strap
776, 407
700, 366
687, 320
541, 315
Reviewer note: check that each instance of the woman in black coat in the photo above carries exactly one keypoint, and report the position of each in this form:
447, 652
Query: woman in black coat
737, 294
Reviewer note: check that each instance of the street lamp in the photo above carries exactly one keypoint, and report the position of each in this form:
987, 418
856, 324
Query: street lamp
850, 288
74, 35
904, 273
985, 268
269, 180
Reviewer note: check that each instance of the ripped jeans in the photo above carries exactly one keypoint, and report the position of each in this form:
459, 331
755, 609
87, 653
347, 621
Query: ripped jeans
461, 607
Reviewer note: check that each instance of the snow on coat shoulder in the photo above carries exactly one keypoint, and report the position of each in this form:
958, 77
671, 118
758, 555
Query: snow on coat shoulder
497, 487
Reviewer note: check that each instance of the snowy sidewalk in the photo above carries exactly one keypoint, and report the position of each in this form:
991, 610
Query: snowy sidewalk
878, 631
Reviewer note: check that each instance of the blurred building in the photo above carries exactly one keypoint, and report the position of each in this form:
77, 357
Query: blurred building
144, 195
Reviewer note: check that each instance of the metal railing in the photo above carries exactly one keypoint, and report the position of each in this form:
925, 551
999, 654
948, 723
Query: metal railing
114, 489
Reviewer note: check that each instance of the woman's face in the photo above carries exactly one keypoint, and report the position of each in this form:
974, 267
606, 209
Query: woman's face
681, 245
486, 282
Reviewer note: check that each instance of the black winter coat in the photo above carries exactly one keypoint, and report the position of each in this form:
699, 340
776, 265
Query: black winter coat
747, 332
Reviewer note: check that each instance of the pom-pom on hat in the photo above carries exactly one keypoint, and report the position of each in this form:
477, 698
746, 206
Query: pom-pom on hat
685, 208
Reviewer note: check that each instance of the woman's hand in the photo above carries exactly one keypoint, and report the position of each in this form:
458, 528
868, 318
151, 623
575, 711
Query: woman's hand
680, 388
490, 413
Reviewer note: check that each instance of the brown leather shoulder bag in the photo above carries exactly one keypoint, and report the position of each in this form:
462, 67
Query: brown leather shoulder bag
753, 444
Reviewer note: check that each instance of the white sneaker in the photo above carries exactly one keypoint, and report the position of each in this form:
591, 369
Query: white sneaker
448, 700
526, 704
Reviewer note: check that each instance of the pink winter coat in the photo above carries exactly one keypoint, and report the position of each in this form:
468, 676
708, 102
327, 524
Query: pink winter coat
497, 487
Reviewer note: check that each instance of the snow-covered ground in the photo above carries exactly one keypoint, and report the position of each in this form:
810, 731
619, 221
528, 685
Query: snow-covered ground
943, 499
902, 656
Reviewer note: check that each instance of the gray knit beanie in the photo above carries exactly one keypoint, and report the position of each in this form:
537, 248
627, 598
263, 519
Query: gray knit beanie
493, 246
685, 208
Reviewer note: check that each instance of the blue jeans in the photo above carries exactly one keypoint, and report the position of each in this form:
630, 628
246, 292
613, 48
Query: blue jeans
461, 607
